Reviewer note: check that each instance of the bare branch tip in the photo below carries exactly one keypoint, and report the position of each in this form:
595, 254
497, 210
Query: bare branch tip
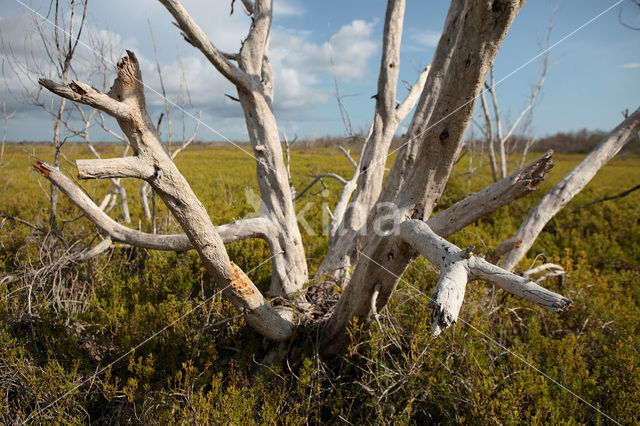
46, 83
563, 306
467, 253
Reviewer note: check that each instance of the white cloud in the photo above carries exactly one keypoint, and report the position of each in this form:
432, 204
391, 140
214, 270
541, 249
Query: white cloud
287, 8
350, 48
206, 86
293, 91
94, 63
422, 39
303, 68
631, 65
225, 31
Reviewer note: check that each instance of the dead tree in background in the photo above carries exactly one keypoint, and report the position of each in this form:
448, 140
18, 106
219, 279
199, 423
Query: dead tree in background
392, 225
6, 116
60, 52
500, 145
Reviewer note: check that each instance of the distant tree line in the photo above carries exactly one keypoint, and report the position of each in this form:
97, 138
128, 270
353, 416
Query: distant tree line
579, 141
582, 141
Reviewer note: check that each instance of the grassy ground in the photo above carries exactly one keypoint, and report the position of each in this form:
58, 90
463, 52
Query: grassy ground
207, 367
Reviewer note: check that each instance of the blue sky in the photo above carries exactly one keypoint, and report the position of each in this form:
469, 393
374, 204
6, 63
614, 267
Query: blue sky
595, 73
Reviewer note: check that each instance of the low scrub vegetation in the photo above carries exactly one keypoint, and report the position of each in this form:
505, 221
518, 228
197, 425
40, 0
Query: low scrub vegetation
506, 361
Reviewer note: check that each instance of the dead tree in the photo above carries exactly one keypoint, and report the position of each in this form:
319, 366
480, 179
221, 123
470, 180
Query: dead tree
62, 49
6, 116
499, 144
393, 223
58, 51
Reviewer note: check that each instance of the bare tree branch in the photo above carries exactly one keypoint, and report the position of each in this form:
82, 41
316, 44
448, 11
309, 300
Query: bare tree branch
488, 128
458, 267
491, 198
330, 175
198, 38
348, 155
171, 186
85, 94
125, 167
22, 221
414, 94
607, 198
560, 195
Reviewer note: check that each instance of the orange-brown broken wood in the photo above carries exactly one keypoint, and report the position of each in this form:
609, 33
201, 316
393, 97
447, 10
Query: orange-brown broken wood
76, 88
240, 281
41, 168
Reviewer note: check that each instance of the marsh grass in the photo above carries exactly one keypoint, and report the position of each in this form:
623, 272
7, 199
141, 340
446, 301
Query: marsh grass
208, 368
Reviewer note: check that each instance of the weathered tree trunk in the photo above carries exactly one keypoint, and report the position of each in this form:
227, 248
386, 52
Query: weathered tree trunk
472, 35
560, 195
253, 78
369, 172
385, 122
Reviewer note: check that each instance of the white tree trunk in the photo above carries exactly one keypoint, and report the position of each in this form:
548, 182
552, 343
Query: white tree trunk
253, 79
472, 35
367, 180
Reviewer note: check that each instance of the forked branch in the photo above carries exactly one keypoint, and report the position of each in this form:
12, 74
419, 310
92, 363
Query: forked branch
126, 103
458, 267
194, 35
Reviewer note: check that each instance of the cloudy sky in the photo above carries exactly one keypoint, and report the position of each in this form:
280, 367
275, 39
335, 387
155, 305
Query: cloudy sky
595, 73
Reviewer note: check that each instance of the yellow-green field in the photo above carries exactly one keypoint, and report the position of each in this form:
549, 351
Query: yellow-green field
205, 370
